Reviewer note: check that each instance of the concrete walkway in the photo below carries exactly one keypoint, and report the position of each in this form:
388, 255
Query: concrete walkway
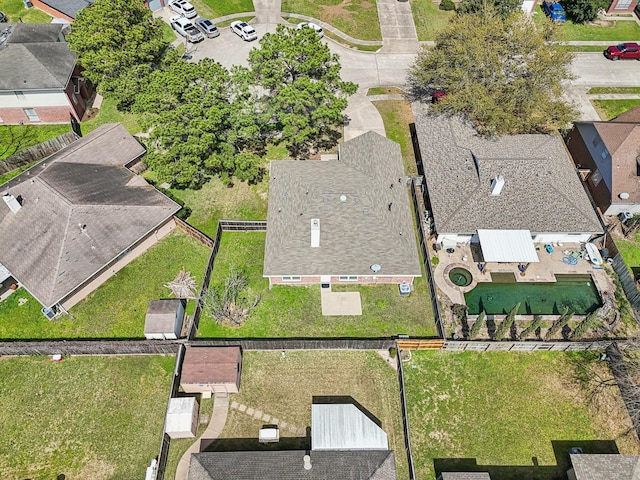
213, 431
362, 116
397, 27
266, 419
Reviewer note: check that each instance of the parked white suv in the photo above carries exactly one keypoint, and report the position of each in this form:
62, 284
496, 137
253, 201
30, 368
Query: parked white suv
244, 31
187, 29
183, 8
313, 26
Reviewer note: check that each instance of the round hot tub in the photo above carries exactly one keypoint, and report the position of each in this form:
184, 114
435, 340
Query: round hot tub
460, 276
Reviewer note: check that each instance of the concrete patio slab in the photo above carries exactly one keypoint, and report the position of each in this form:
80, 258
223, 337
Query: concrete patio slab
340, 303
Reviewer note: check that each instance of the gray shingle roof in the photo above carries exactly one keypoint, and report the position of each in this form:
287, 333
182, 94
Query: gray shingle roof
542, 192
34, 32
161, 315
68, 7
289, 465
35, 65
351, 198
606, 466
43, 245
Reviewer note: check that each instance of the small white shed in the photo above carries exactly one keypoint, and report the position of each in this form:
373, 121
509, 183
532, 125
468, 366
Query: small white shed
182, 417
164, 319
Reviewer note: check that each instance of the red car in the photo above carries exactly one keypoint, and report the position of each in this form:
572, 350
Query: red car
623, 50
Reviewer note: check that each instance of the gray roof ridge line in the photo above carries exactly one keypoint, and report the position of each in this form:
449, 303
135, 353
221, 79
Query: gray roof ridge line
72, 147
583, 214
463, 203
382, 463
54, 191
33, 58
57, 269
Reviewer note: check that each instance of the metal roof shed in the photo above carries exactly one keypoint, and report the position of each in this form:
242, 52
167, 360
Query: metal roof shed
507, 246
344, 427
182, 417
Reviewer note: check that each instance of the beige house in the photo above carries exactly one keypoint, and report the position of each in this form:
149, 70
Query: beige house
211, 369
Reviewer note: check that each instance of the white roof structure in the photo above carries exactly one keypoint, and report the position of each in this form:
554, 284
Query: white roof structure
180, 414
507, 246
344, 427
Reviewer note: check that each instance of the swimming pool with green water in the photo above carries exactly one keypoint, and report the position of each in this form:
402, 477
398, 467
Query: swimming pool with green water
499, 296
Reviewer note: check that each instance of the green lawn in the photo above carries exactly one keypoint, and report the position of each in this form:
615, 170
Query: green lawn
215, 201
429, 19
397, 115
630, 90
14, 173
15, 138
108, 113
385, 91
284, 388
117, 308
98, 418
14, 9
614, 30
608, 109
630, 251
213, 9
289, 311
507, 412
356, 18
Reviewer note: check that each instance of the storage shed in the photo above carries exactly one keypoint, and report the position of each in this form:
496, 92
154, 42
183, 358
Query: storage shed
182, 417
164, 319
211, 369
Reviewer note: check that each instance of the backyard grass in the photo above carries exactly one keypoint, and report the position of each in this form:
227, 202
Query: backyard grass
178, 446
630, 251
15, 138
213, 9
291, 311
118, 307
356, 18
608, 109
98, 418
397, 116
14, 9
108, 113
385, 91
284, 387
610, 30
429, 19
514, 414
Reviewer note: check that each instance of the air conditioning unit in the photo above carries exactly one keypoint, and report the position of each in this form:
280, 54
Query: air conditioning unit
50, 313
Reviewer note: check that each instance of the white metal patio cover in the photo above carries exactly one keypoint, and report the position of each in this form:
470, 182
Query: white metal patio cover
507, 246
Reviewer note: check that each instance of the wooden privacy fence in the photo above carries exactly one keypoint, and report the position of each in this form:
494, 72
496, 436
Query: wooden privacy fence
301, 343
405, 419
89, 347
525, 346
37, 152
418, 205
420, 344
223, 226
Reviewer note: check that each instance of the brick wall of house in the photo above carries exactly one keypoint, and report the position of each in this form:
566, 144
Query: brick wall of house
51, 11
362, 280
580, 154
12, 115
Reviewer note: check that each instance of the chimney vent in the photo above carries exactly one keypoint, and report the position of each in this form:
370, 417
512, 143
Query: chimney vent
12, 202
315, 232
496, 185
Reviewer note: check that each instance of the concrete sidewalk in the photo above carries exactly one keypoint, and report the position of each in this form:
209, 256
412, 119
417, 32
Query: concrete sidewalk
362, 116
397, 27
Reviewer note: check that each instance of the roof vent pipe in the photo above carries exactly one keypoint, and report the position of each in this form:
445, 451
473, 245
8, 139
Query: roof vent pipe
307, 462
496, 185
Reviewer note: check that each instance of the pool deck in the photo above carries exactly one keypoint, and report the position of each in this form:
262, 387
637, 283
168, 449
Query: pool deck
550, 265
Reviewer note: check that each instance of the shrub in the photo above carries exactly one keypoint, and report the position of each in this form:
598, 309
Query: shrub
531, 328
477, 325
585, 325
435, 261
559, 324
393, 352
505, 326
447, 5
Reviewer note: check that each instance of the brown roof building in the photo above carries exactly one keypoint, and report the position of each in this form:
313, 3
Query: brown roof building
211, 369
607, 154
77, 214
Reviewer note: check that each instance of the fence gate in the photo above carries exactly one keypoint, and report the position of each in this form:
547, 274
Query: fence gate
420, 344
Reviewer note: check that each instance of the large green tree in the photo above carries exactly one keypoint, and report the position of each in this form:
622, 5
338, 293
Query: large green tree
502, 7
504, 72
117, 43
203, 122
581, 11
305, 94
